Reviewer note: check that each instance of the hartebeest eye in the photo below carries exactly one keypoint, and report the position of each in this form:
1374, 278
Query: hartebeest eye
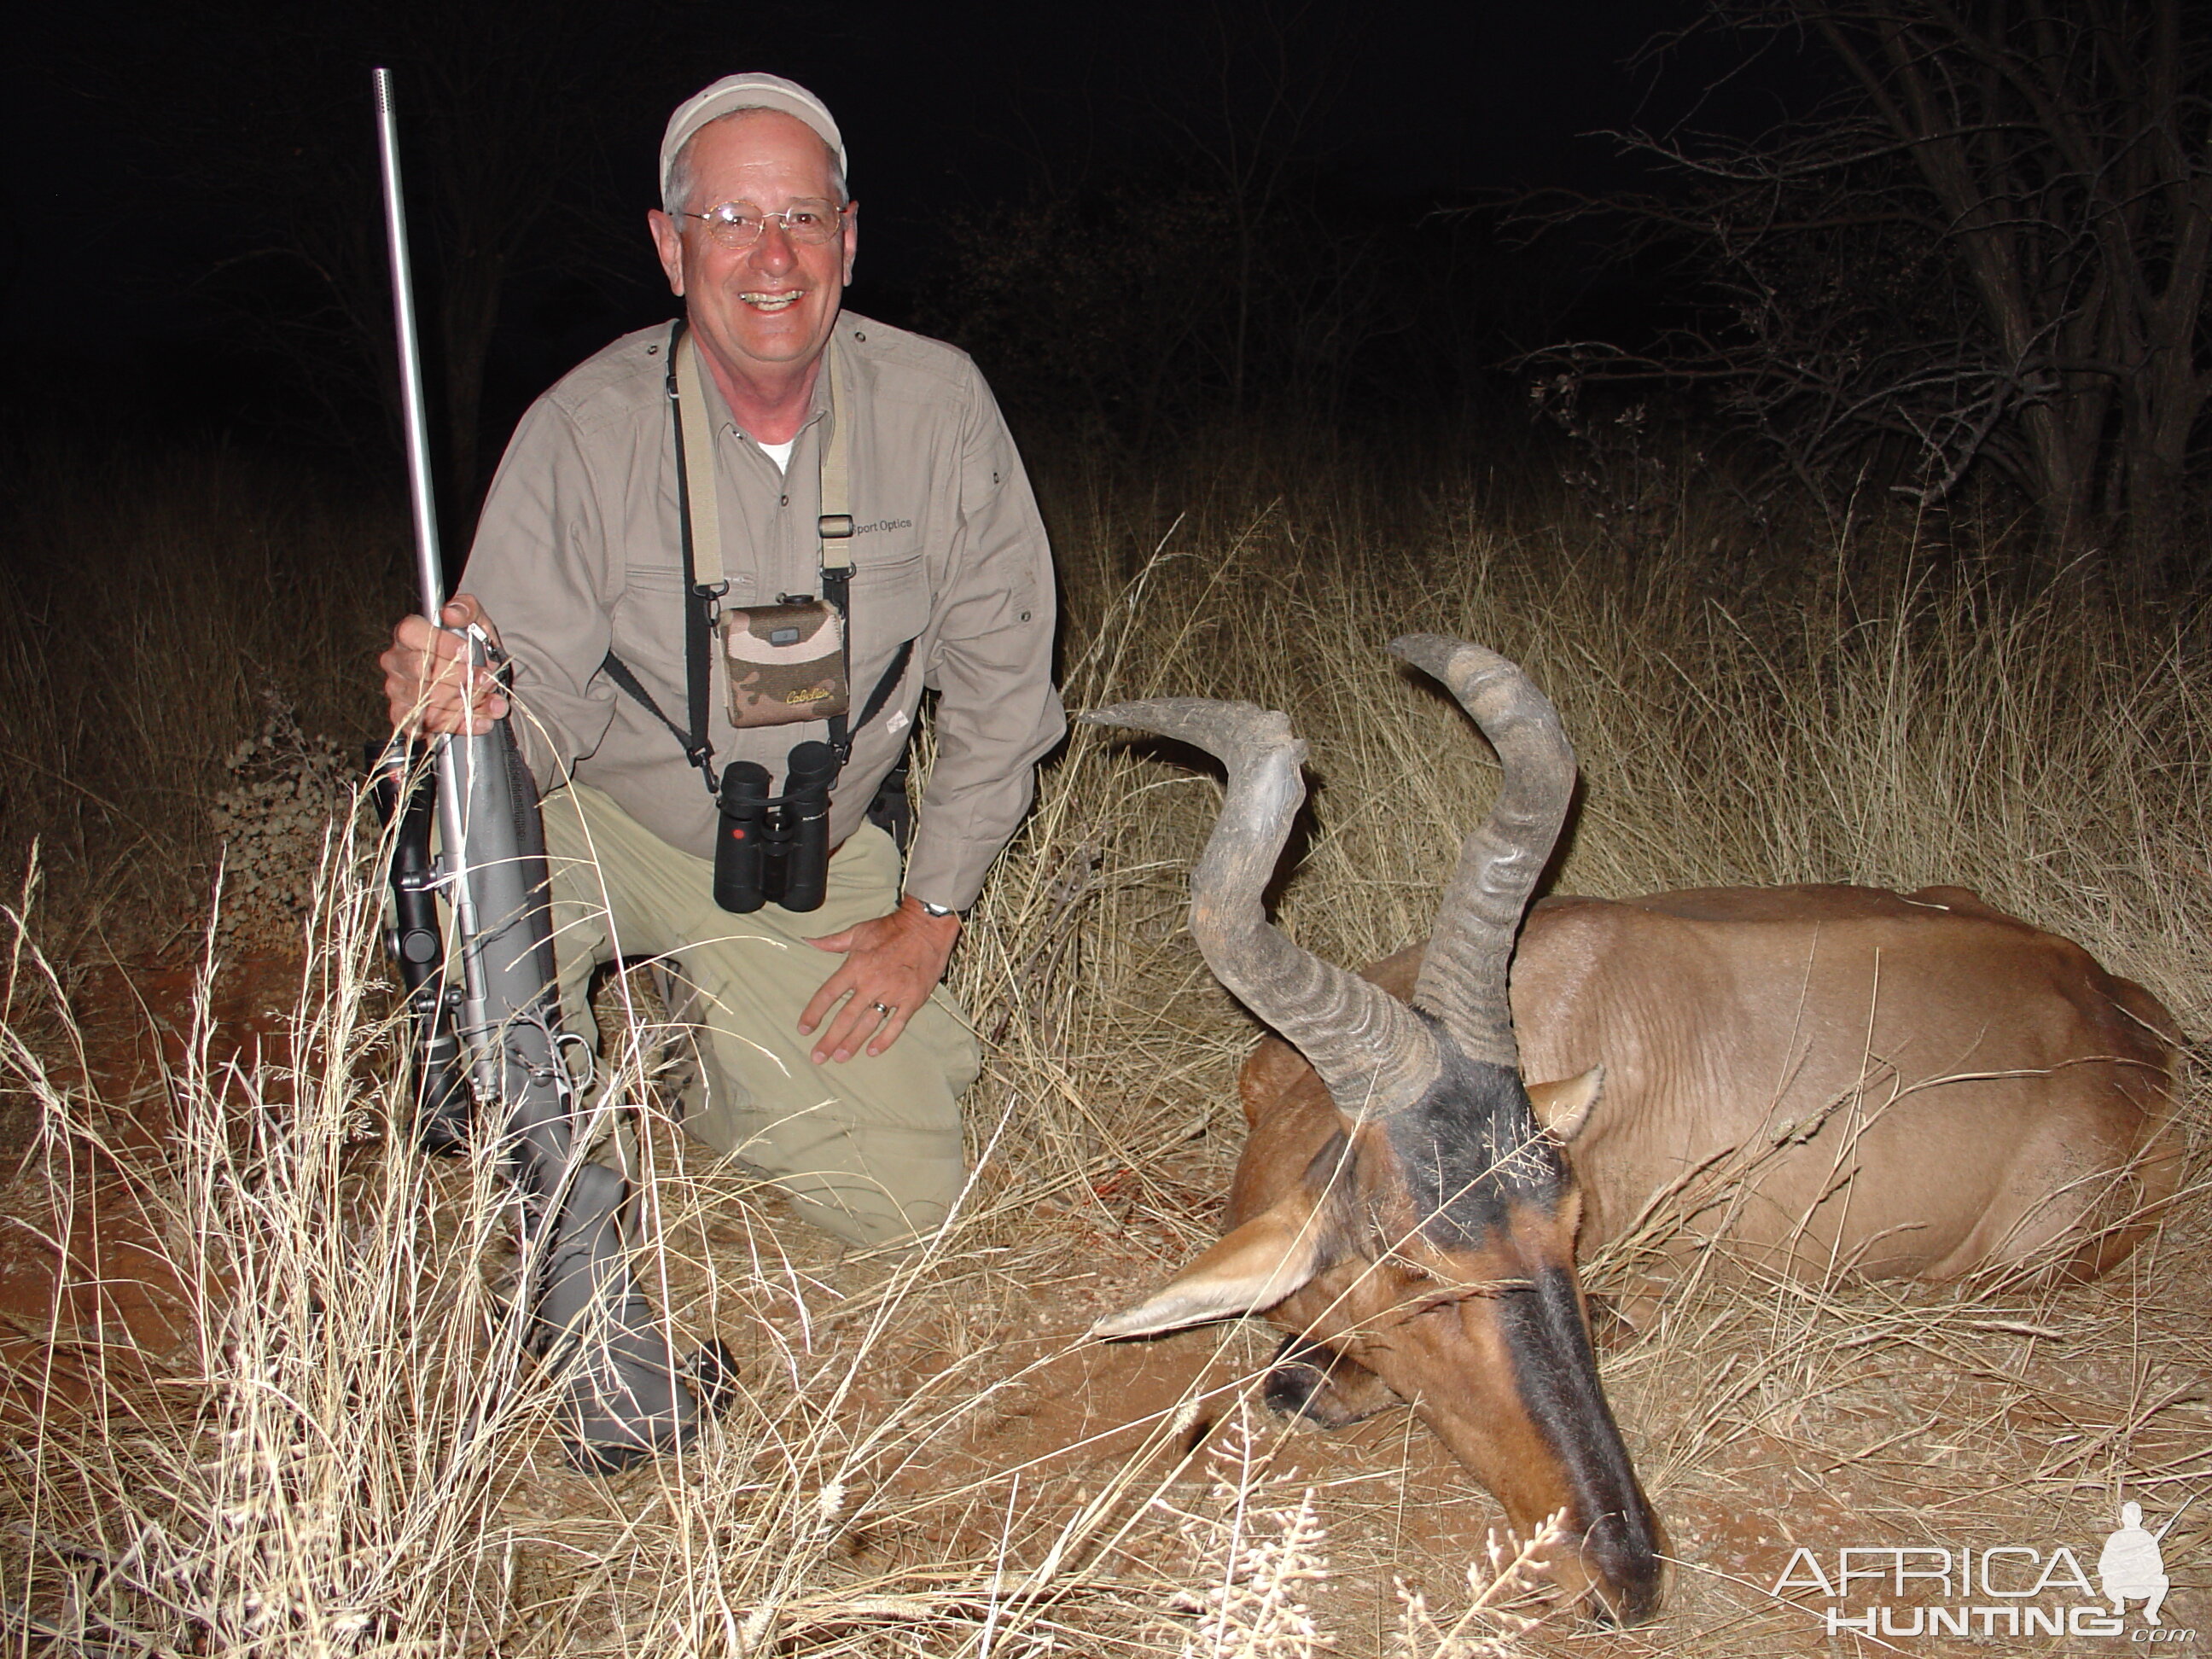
1446, 1282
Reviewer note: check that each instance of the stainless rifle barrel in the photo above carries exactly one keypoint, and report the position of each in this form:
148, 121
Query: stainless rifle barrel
452, 782
430, 572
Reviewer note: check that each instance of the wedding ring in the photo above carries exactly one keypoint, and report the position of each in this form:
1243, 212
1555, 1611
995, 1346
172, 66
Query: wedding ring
883, 1008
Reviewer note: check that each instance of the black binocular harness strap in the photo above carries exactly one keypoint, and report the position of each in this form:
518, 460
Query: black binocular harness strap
701, 600
841, 741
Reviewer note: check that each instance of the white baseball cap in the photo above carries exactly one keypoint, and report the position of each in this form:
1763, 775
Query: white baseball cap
752, 90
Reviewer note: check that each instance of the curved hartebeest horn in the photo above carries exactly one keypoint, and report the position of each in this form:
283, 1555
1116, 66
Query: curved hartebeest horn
1375, 1055
1462, 979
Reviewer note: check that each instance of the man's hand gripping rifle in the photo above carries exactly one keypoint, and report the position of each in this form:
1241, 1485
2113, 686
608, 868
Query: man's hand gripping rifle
491, 1048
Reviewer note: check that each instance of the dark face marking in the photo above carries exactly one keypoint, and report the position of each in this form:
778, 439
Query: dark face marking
1555, 1377
1471, 1149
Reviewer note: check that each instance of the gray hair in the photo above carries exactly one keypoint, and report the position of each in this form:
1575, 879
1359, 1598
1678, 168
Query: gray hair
680, 182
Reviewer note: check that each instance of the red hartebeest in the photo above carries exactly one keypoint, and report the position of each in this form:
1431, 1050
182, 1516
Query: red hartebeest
1827, 1076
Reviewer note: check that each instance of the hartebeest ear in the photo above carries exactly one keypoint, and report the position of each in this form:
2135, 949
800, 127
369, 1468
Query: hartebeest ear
1564, 1107
1257, 1265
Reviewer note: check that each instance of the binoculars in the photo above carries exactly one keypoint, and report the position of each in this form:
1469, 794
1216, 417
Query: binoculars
775, 848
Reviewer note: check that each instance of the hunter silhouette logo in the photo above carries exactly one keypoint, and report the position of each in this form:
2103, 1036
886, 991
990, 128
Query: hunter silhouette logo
2131, 1566
2003, 1589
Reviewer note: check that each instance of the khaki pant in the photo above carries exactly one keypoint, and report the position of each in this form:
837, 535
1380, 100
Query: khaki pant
869, 1149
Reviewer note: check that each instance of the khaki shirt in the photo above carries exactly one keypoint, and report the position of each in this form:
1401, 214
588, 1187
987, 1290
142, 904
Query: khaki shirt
578, 550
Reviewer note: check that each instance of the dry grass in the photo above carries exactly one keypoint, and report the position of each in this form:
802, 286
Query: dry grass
157, 610
338, 1455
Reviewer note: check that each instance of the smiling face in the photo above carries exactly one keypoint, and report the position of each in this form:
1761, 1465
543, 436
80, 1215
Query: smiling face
762, 313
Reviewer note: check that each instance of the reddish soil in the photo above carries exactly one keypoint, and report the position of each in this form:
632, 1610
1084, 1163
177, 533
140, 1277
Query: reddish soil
87, 1291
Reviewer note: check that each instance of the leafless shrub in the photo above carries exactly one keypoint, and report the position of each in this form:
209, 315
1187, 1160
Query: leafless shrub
289, 793
1978, 250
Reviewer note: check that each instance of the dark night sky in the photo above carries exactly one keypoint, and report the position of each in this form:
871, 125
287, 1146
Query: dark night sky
115, 318
943, 105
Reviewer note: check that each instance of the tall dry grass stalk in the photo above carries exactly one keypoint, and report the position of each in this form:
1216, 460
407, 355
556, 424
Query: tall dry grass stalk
153, 606
342, 1454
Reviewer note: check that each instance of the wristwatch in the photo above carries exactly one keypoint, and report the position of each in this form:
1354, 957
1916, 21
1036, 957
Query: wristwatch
929, 909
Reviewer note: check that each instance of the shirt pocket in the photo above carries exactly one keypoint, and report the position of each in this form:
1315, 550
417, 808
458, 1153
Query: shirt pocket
648, 618
889, 605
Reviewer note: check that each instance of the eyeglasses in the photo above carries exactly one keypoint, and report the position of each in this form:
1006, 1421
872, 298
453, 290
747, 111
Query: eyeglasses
740, 224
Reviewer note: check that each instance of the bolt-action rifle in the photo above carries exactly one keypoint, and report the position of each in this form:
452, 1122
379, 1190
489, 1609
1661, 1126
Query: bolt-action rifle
491, 1049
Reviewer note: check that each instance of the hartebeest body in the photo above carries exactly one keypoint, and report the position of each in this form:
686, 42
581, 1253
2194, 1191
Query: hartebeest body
1830, 1077
1903, 1085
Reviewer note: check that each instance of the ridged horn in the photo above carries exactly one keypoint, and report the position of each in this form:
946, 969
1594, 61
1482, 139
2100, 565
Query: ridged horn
1462, 978
1374, 1055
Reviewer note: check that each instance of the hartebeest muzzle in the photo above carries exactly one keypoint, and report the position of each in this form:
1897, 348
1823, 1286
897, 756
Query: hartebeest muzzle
1420, 1236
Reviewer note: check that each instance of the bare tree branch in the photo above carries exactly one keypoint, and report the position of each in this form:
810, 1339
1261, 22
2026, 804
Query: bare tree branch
1988, 248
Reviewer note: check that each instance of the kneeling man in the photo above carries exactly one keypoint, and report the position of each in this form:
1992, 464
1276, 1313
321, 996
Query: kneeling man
726, 557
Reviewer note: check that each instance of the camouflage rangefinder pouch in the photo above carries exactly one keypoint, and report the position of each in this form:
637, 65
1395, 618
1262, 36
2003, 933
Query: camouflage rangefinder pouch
786, 662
